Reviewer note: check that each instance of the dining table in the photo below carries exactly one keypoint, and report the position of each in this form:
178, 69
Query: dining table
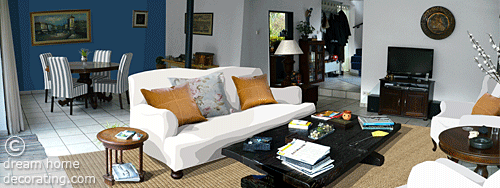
84, 69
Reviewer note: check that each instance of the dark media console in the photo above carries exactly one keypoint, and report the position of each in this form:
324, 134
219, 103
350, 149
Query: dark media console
406, 97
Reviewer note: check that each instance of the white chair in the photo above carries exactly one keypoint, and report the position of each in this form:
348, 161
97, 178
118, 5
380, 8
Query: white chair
62, 83
445, 173
119, 85
455, 113
101, 56
46, 74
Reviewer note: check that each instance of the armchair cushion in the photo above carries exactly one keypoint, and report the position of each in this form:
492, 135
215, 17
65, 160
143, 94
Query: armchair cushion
487, 105
208, 93
176, 99
253, 91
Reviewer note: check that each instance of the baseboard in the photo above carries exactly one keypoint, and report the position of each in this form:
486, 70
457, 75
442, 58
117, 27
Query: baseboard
31, 92
4, 133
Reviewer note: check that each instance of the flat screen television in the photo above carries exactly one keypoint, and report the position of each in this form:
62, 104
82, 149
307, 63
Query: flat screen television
411, 62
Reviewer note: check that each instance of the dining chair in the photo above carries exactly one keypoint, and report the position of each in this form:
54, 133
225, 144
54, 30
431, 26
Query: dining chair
101, 56
62, 84
119, 85
46, 73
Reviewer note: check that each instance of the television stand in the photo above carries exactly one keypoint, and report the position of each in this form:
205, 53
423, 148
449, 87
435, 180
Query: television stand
406, 97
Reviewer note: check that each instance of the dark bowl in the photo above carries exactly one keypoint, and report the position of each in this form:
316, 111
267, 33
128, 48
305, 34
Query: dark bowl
481, 142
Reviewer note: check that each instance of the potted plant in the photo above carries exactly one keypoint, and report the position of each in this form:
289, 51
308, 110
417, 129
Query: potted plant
305, 29
159, 63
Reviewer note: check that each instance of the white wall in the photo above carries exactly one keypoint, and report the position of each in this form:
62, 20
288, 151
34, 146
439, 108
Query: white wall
357, 8
227, 30
397, 23
255, 50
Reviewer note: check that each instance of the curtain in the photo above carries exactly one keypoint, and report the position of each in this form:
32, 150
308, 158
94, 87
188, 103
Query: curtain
13, 109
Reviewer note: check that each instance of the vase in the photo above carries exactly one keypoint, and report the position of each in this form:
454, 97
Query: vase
84, 59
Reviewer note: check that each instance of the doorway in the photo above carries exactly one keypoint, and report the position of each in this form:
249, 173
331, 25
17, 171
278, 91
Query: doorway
280, 28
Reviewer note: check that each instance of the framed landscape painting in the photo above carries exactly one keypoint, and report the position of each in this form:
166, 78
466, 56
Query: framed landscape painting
60, 27
203, 23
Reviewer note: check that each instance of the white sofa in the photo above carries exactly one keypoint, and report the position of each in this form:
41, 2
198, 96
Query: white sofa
194, 144
455, 113
444, 173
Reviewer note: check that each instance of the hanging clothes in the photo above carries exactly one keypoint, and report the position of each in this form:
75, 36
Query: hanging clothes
337, 34
345, 29
324, 21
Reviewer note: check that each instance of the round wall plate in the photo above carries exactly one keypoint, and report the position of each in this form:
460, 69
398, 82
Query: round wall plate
437, 22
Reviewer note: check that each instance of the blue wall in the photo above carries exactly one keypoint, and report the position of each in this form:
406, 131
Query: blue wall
111, 25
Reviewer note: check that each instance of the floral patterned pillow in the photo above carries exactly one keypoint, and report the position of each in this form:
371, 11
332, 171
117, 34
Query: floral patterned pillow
208, 93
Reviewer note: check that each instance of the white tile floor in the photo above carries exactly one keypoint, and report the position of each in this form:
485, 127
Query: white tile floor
64, 134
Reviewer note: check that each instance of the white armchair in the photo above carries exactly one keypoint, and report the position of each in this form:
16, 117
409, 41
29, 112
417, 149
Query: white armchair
455, 113
445, 173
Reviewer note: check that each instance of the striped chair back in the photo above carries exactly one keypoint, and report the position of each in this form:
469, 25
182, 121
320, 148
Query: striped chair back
62, 82
46, 75
102, 56
122, 77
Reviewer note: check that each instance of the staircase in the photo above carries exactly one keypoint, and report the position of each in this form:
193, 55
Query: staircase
356, 61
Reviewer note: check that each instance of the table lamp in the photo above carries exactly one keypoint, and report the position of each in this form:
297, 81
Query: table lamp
288, 47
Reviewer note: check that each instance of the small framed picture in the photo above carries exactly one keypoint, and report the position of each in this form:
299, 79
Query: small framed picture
140, 19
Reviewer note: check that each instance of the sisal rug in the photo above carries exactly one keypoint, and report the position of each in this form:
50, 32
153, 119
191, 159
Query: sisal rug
410, 146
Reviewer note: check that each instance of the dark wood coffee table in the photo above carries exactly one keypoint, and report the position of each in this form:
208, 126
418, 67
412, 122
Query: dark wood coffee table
455, 143
345, 155
110, 142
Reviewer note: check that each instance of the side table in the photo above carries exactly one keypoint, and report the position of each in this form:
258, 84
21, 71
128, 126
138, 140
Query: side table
110, 142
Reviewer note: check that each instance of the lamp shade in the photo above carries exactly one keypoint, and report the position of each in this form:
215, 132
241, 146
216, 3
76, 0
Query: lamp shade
288, 47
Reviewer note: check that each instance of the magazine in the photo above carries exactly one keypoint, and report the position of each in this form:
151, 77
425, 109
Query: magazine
124, 135
125, 172
327, 114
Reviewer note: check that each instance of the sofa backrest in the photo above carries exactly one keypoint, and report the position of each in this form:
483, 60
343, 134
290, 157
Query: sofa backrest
160, 79
489, 86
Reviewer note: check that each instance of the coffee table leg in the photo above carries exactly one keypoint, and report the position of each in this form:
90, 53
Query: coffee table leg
481, 170
374, 159
108, 178
107, 168
141, 172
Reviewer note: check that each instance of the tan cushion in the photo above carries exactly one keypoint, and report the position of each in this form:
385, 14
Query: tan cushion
487, 105
253, 91
177, 99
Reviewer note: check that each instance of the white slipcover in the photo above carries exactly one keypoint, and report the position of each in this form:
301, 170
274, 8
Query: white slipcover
199, 143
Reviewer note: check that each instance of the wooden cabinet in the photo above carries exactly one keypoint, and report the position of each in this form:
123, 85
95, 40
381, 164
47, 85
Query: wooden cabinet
406, 97
311, 63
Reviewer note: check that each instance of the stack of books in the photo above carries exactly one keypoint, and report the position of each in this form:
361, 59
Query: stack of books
306, 157
327, 114
125, 172
299, 124
376, 123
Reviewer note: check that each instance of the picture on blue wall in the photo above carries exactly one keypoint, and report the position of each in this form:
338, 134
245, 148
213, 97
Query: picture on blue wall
60, 27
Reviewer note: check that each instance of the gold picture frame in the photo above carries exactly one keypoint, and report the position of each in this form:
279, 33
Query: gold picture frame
60, 27
203, 23
140, 19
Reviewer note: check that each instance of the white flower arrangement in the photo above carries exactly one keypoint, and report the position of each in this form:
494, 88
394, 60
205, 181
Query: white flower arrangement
486, 65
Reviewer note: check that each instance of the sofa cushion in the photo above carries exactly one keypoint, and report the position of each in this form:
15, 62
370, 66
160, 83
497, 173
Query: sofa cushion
487, 105
253, 91
177, 99
204, 141
208, 93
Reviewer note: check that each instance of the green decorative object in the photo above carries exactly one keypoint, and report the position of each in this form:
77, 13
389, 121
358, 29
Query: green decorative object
305, 29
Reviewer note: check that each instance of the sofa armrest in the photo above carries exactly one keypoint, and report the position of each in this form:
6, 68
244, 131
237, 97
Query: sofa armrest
455, 109
492, 121
437, 175
287, 95
160, 122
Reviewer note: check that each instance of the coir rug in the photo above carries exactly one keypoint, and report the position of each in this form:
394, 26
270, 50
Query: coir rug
410, 146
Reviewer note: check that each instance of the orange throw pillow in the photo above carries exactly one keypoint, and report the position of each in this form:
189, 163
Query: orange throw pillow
253, 91
487, 105
176, 99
